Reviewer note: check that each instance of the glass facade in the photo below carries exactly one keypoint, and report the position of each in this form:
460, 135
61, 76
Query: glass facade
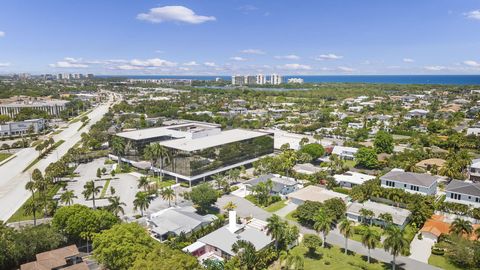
209, 159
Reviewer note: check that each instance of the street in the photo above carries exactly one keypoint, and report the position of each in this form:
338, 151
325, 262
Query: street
13, 180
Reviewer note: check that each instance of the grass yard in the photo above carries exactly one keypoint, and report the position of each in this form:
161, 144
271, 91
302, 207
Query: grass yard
274, 207
358, 237
290, 216
104, 189
350, 163
334, 258
20, 215
442, 262
162, 183
4, 156
53, 147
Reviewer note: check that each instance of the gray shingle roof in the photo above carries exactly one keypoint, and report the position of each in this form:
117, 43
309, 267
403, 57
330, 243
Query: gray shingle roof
399, 215
462, 187
278, 182
419, 179
179, 220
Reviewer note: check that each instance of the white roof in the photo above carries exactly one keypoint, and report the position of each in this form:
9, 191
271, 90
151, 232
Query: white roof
353, 177
475, 163
221, 138
339, 150
193, 247
315, 193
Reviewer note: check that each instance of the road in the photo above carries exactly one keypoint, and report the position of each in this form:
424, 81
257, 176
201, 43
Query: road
13, 180
246, 208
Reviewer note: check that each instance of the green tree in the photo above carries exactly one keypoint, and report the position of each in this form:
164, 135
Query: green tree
203, 196
165, 258
120, 246
312, 242
346, 227
383, 142
90, 190
315, 150
246, 253
367, 158
142, 202
116, 206
370, 239
67, 197
230, 206
143, 183
461, 226
276, 228
323, 224
395, 242
31, 186
168, 194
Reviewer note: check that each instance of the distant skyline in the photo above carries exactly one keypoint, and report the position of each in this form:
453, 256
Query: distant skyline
226, 37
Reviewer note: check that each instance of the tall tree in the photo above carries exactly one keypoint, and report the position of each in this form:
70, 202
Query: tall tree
168, 194
395, 242
143, 183
276, 229
246, 253
346, 227
142, 201
90, 190
461, 226
323, 224
116, 206
370, 239
31, 186
67, 197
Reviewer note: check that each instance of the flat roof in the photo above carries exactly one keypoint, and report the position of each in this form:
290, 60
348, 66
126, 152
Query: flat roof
316, 194
174, 131
399, 215
224, 137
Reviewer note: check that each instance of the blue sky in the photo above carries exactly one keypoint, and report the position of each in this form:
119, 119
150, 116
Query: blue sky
224, 37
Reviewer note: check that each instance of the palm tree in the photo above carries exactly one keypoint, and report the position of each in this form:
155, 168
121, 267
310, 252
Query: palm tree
116, 205
141, 202
90, 190
461, 226
230, 206
370, 239
386, 217
154, 152
366, 214
477, 233
67, 197
31, 186
346, 228
118, 147
168, 194
276, 228
30, 208
323, 224
143, 183
246, 253
395, 242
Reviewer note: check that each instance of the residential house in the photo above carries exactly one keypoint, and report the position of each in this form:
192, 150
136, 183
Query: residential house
416, 113
474, 170
66, 258
400, 216
345, 152
174, 221
421, 183
314, 193
217, 245
281, 185
463, 192
350, 179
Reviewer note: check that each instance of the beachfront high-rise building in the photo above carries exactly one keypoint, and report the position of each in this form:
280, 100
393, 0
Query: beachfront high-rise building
295, 80
261, 79
250, 80
238, 80
275, 79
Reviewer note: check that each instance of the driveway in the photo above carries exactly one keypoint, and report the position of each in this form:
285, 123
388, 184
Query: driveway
421, 249
287, 209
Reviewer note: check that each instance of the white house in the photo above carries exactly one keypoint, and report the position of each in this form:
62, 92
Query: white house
351, 179
463, 192
474, 170
345, 152
421, 183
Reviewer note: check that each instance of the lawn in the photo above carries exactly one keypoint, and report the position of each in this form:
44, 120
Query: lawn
290, 216
358, 237
334, 258
20, 215
274, 207
442, 262
44, 154
104, 189
162, 183
350, 163
4, 156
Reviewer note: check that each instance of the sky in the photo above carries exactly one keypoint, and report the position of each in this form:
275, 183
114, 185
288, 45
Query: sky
226, 37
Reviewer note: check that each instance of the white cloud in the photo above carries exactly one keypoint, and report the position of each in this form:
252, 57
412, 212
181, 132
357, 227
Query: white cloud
435, 68
289, 57
191, 63
127, 67
184, 68
2, 34
329, 56
346, 69
252, 51
408, 60
173, 14
70, 62
210, 64
474, 14
4, 64
238, 58
472, 63
295, 67
154, 62
159, 51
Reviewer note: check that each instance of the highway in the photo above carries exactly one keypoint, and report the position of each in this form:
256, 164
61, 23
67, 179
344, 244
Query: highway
13, 180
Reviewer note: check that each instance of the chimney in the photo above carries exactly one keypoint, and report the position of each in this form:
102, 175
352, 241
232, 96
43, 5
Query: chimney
232, 221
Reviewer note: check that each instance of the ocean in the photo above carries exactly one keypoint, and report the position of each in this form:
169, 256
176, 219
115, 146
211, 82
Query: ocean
395, 79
